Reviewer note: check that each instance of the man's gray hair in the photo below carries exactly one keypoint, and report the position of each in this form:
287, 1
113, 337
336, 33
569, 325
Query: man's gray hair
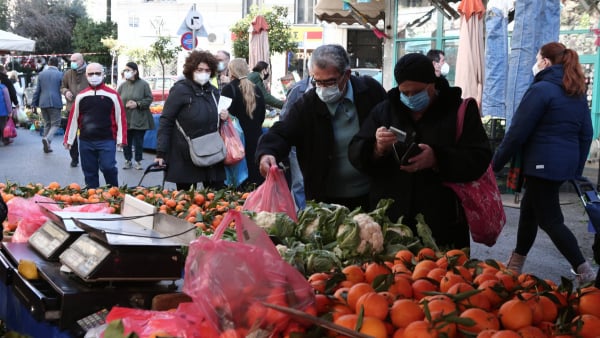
330, 55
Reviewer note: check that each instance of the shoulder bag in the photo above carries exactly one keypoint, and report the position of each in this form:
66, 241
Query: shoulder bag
481, 198
205, 150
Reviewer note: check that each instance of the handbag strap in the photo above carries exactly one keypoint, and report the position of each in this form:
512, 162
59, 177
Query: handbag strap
460, 116
190, 107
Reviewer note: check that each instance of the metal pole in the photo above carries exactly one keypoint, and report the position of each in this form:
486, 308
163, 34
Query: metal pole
194, 33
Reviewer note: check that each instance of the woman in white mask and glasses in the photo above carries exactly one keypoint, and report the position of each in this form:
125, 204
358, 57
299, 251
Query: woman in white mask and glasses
192, 103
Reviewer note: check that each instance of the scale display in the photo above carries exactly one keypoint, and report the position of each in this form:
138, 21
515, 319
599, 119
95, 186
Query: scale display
84, 256
48, 239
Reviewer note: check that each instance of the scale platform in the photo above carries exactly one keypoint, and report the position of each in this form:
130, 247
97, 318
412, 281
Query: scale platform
59, 298
132, 247
58, 232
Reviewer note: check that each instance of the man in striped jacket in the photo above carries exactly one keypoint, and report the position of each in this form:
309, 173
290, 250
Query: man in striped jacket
99, 116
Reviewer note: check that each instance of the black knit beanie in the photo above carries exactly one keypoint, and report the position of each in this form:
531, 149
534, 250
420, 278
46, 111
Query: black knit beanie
414, 67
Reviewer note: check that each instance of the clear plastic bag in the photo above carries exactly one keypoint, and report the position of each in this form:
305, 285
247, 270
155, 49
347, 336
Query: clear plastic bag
272, 195
229, 281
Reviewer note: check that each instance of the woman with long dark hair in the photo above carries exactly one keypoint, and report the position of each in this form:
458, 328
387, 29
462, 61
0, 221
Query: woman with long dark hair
552, 128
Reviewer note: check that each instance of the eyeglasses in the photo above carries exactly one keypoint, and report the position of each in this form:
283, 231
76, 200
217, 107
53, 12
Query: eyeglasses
94, 73
326, 83
203, 70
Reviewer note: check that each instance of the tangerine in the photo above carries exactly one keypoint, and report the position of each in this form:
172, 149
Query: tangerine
373, 305
421, 286
404, 312
531, 332
356, 291
589, 328
515, 314
483, 320
354, 274
589, 302
374, 270
420, 329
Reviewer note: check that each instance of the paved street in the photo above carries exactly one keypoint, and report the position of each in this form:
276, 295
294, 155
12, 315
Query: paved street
24, 162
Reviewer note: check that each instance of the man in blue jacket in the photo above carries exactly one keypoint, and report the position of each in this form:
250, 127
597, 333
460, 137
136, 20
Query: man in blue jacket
47, 96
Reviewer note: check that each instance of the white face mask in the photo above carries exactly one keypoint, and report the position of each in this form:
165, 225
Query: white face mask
94, 80
201, 77
329, 94
128, 75
535, 69
445, 69
221, 66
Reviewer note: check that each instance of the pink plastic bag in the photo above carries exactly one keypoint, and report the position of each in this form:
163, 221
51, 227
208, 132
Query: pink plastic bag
273, 195
229, 281
10, 131
233, 143
28, 215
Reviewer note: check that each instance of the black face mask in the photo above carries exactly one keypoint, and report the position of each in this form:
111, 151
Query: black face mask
266, 76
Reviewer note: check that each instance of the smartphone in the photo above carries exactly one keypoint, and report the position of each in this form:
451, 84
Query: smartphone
412, 151
400, 134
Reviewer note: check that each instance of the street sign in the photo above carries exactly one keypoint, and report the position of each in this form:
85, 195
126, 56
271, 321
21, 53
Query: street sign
193, 20
187, 41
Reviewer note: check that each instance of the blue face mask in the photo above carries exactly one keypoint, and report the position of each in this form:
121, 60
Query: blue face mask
417, 102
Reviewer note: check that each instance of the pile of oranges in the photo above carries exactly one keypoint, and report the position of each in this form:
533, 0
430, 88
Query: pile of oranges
431, 294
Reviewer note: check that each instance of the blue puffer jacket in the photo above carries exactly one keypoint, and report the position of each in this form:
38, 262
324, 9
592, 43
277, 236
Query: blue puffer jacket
553, 130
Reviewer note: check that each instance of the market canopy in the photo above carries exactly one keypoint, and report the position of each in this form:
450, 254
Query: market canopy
339, 12
10, 41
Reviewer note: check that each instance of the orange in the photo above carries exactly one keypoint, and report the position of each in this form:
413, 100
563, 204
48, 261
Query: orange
348, 321
373, 327
422, 269
483, 320
401, 288
53, 186
426, 254
338, 310
439, 307
323, 303
590, 327
436, 274
515, 314
589, 302
75, 186
341, 294
486, 333
456, 257
531, 332
354, 274
506, 334
449, 280
492, 290
404, 312
356, 291
404, 257
420, 329
374, 270
420, 286
373, 305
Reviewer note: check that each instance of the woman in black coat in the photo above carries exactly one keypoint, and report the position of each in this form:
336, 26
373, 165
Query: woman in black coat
193, 103
248, 106
428, 116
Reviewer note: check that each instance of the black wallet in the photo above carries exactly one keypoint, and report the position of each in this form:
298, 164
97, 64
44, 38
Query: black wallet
403, 153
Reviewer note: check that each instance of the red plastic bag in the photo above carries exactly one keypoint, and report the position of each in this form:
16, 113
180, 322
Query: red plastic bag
233, 143
10, 131
229, 281
273, 195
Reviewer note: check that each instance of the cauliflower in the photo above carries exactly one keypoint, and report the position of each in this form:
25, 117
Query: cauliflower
371, 236
282, 249
275, 223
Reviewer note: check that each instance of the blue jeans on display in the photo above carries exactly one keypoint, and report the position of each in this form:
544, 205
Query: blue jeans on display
297, 181
540, 206
51, 118
99, 155
135, 138
496, 64
531, 31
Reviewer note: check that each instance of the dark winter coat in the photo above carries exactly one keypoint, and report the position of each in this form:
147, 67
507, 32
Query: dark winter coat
195, 107
424, 191
252, 127
553, 130
308, 126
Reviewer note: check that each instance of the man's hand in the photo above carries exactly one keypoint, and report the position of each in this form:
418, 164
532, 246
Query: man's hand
266, 161
159, 161
67, 146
